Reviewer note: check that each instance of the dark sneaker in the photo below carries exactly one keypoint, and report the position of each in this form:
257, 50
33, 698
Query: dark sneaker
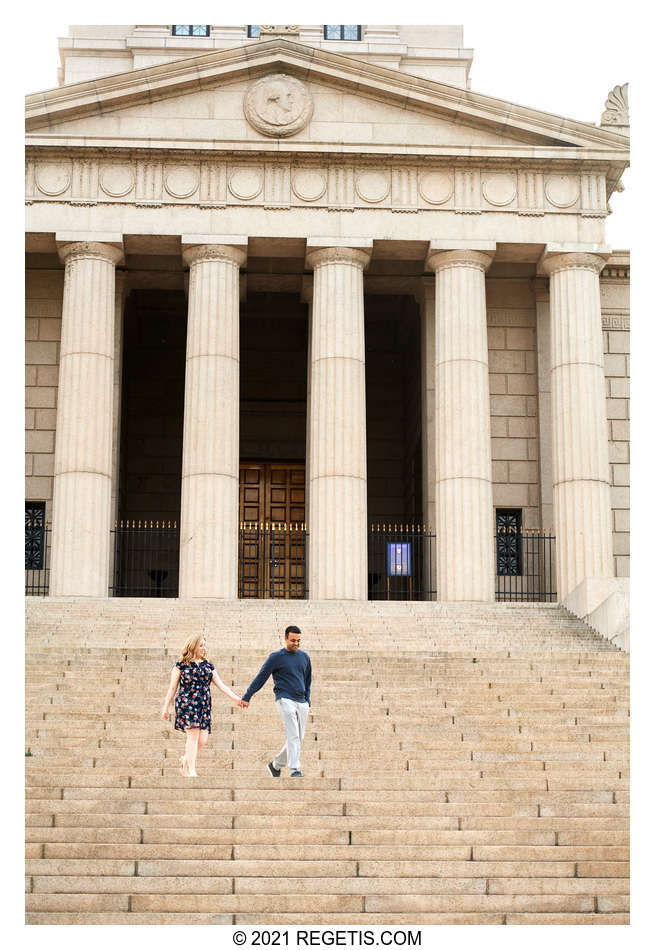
272, 770
295, 774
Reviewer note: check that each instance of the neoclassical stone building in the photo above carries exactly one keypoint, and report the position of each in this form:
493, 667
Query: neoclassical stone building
304, 275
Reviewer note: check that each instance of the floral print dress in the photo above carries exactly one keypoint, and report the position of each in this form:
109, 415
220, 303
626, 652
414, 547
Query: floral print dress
193, 702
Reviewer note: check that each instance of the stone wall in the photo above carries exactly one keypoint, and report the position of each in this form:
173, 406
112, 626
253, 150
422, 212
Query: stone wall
511, 337
44, 297
615, 304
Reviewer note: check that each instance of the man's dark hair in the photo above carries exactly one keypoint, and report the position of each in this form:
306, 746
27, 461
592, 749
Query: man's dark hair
291, 630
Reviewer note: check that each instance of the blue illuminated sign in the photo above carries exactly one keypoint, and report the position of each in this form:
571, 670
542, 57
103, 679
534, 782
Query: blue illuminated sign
399, 559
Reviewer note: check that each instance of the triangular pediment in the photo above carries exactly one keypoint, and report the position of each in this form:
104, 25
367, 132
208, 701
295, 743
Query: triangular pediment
352, 106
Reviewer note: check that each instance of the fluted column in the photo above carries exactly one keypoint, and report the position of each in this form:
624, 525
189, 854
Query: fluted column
581, 490
337, 458
83, 451
463, 496
209, 519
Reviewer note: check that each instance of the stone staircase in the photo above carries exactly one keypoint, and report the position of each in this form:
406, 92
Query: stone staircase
463, 764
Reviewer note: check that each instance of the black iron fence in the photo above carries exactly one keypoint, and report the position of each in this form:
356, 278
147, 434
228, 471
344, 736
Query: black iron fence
272, 560
401, 562
37, 559
525, 565
146, 559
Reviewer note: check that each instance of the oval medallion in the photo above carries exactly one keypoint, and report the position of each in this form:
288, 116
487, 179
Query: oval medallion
117, 180
373, 186
53, 178
278, 105
246, 182
562, 190
436, 187
308, 184
181, 181
499, 189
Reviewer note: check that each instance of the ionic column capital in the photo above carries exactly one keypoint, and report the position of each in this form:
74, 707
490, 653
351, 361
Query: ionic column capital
480, 259
91, 250
229, 253
338, 255
551, 263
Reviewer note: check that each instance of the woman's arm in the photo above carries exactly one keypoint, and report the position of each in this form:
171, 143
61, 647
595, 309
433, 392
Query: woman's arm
175, 679
217, 681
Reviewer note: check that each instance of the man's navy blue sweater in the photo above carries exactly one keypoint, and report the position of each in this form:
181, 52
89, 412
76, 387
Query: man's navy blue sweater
292, 676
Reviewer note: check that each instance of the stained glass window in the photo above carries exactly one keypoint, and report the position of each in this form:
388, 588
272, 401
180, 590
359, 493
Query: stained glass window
342, 32
187, 30
509, 552
34, 535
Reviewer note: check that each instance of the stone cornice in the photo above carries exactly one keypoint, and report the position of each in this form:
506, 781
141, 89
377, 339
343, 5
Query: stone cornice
94, 97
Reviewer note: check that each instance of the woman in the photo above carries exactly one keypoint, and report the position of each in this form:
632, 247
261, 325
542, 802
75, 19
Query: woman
192, 677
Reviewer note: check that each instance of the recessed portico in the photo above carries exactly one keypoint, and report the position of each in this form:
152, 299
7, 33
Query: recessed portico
445, 244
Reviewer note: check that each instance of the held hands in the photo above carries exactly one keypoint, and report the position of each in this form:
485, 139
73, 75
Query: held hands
164, 713
243, 703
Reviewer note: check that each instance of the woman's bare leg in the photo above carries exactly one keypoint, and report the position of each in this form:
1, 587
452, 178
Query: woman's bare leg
190, 752
202, 739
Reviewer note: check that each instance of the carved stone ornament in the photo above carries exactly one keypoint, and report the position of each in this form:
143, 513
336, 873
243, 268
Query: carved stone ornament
616, 107
278, 105
181, 181
499, 189
309, 184
279, 30
53, 178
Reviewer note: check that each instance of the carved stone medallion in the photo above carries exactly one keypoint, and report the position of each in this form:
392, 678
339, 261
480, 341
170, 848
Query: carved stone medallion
436, 187
181, 181
117, 180
372, 185
499, 189
53, 178
246, 182
309, 184
562, 191
278, 105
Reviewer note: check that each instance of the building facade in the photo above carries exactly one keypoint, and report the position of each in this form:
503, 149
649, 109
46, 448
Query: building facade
302, 276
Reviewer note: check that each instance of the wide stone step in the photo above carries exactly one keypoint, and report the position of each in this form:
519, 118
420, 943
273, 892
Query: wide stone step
483, 779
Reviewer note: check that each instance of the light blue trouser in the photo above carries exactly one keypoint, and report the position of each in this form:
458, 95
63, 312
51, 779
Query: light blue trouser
294, 718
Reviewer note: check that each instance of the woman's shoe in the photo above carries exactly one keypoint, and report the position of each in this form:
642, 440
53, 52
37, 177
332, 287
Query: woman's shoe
182, 767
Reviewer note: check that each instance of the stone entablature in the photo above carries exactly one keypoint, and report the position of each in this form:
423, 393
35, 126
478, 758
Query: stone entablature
463, 187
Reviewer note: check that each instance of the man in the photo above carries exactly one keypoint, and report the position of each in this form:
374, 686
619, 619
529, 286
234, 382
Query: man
292, 679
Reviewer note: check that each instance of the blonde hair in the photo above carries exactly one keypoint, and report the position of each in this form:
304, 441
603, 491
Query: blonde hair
188, 654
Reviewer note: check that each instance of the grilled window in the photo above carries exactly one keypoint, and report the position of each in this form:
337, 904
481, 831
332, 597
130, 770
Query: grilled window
342, 32
253, 32
187, 30
509, 552
34, 535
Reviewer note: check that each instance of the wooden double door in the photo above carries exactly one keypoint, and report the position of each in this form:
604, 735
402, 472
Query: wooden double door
272, 529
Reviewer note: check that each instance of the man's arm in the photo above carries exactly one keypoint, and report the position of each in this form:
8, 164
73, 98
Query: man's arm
260, 679
308, 681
